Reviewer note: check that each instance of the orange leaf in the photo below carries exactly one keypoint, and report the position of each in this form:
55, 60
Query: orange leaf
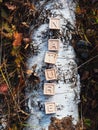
18, 39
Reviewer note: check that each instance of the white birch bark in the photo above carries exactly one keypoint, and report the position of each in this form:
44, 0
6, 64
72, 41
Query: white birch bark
68, 85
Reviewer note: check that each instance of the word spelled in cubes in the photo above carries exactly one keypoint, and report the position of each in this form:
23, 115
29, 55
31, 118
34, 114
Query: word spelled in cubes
53, 44
50, 57
50, 107
50, 74
54, 23
49, 88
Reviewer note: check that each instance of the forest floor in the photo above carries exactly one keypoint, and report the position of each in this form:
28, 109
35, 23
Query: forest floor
86, 47
15, 49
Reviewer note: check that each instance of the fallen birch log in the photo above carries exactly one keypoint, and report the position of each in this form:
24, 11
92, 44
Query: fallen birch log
57, 95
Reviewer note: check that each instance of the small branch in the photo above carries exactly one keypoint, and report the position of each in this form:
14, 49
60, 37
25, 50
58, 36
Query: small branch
86, 62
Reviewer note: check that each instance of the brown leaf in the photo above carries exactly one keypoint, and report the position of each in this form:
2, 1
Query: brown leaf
9, 128
94, 104
27, 40
31, 6
85, 75
80, 10
10, 7
3, 88
29, 72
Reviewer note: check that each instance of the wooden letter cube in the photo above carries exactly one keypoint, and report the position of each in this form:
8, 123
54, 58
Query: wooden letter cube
50, 57
50, 74
49, 88
50, 107
54, 23
53, 44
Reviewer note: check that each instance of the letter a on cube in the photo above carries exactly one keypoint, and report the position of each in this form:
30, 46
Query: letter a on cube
53, 44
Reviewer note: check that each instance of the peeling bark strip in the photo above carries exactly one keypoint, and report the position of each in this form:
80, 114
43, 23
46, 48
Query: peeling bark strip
60, 70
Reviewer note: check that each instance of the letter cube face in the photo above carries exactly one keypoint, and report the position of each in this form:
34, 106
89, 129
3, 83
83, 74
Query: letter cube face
50, 74
50, 107
50, 57
53, 44
49, 88
54, 23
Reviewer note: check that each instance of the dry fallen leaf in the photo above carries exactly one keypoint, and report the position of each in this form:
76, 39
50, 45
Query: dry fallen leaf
85, 75
3, 88
29, 72
10, 7
27, 40
18, 39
